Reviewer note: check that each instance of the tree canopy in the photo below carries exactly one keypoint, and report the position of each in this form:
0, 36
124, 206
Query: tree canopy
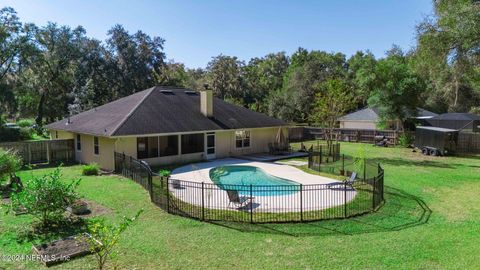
49, 72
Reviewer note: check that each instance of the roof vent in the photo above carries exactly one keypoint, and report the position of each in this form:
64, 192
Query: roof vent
167, 92
191, 93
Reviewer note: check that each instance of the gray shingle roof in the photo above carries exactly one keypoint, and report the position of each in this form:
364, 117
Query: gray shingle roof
154, 111
372, 114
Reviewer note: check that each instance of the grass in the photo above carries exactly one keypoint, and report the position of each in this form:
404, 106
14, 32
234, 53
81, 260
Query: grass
431, 220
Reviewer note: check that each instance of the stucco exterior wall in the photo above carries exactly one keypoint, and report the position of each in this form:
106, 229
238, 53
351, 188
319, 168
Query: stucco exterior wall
59, 134
105, 158
224, 147
358, 125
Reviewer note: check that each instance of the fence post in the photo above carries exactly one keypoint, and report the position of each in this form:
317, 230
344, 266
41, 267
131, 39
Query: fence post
150, 186
168, 195
48, 152
301, 202
251, 204
29, 150
345, 199
203, 201
373, 192
364, 169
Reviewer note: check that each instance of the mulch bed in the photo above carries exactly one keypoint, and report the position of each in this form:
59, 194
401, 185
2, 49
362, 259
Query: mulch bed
95, 209
62, 250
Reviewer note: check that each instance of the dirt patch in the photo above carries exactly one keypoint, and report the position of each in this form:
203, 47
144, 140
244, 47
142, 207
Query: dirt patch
95, 209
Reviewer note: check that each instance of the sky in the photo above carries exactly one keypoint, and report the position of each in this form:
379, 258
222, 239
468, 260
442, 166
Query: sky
195, 31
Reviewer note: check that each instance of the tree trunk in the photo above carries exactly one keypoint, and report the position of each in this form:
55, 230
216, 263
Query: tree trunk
40, 111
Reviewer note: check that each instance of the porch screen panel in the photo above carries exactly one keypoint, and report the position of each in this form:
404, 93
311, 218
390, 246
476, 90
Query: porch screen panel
168, 145
192, 143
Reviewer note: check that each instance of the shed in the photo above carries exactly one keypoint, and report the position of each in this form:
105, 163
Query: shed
459, 121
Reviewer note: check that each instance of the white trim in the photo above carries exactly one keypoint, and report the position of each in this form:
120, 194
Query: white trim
235, 140
97, 146
76, 142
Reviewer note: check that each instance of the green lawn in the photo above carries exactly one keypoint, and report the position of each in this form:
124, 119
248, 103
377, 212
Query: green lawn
431, 220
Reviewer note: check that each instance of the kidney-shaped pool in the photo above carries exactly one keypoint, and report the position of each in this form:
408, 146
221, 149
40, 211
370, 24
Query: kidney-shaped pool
251, 180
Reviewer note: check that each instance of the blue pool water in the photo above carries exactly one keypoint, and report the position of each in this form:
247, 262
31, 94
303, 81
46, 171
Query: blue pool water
262, 184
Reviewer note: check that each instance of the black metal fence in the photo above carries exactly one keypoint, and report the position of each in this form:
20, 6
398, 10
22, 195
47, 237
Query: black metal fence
253, 203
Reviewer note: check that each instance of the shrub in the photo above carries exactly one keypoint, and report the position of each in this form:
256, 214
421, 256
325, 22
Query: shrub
46, 197
15, 134
10, 163
164, 173
104, 238
25, 123
90, 169
405, 140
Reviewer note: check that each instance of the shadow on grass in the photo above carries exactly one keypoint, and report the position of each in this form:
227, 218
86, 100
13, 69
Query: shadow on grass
54, 231
400, 211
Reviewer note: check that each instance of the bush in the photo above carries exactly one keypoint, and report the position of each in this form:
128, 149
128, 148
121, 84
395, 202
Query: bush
15, 134
46, 197
164, 173
405, 140
90, 169
25, 123
104, 237
10, 163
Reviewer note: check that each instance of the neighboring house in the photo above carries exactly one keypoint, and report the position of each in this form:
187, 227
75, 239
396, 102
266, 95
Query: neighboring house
368, 118
167, 125
460, 121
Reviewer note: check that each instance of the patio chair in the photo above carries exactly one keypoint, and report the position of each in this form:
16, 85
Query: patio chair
237, 200
349, 181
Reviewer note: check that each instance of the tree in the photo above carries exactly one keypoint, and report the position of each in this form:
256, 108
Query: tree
306, 71
48, 80
136, 58
10, 163
172, 74
225, 77
264, 76
397, 89
46, 197
448, 53
333, 100
105, 237
361, 73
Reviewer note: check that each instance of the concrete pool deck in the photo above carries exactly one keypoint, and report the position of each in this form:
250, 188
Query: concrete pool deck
315, 195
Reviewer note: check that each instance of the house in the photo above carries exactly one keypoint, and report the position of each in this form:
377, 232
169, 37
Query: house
164, 125
369, 117
459, 121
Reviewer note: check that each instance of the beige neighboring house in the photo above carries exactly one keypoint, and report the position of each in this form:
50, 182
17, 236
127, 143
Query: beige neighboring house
368, 119
164, 125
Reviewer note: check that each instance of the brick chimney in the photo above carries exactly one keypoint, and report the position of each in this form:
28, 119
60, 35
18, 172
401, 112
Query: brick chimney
206, 102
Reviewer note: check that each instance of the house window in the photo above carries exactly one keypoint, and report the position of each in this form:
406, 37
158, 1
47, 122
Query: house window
56, 134
192, 143
147, 147
242, 138
168, 145
96, 148
79, 142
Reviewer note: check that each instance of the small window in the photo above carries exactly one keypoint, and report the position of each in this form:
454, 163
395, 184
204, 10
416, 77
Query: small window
96, 148
79, 142
56, 134
242, 138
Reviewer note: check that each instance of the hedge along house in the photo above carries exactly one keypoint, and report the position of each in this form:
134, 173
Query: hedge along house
369, 118
165, 126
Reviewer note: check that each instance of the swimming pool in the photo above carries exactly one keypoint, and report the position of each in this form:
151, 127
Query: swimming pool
250, 179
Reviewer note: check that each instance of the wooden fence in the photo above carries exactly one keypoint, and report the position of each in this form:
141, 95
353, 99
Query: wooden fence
468, 142
49, 151
346, 135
